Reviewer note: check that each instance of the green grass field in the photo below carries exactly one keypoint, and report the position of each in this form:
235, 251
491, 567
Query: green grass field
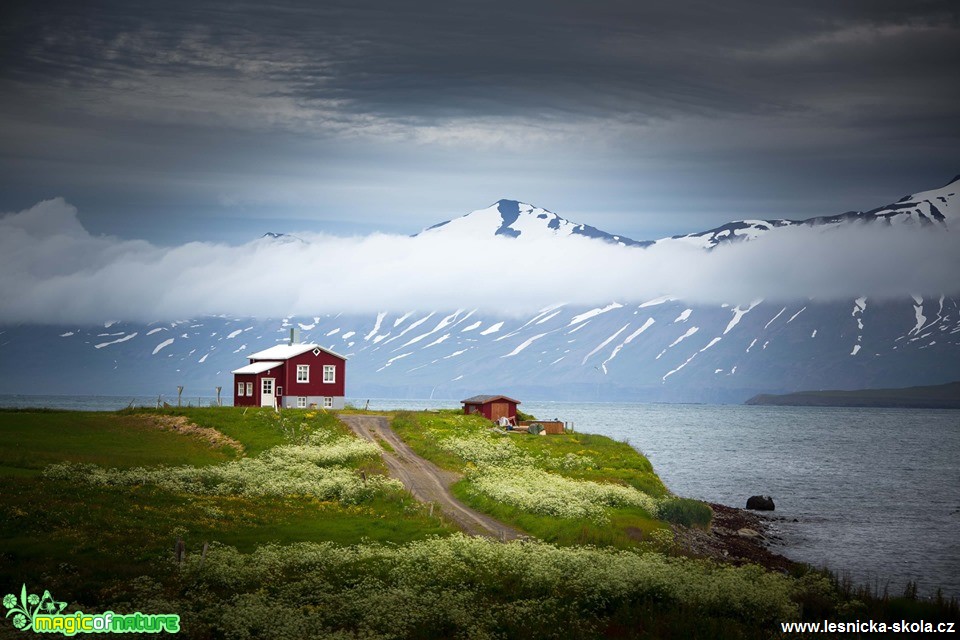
377, 565
257, 428
96, 535
31, 440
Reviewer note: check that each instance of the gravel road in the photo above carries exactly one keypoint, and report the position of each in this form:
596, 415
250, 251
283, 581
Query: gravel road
426, 481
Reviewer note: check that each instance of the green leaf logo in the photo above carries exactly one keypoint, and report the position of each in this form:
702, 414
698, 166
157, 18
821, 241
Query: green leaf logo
25, 609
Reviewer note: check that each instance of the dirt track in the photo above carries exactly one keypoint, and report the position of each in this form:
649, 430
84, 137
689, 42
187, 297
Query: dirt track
426, 481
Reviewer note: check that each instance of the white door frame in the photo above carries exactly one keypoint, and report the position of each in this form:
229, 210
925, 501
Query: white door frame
268, 400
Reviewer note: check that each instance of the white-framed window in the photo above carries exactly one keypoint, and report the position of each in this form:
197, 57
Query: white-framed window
266, 387
328, 403
301, 402
329, 373
240, 388
250, 389
303, 373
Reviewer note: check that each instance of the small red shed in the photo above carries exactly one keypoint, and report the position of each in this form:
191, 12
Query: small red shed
491, 407
293, 376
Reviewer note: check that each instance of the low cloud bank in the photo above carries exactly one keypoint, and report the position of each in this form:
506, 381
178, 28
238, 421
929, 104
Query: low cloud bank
53, 271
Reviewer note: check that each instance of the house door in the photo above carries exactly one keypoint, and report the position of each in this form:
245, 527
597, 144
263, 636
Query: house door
266, 392
499, 410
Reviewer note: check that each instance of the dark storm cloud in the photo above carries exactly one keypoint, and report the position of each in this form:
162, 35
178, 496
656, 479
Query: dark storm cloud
430, 59
617, 107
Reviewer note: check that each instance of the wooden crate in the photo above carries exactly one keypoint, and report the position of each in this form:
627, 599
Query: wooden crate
552, 427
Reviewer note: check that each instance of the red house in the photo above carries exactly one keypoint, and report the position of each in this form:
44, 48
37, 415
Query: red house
291, 375
492, 407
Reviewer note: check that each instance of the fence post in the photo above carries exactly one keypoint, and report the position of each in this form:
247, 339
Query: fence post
179, 393
219, 401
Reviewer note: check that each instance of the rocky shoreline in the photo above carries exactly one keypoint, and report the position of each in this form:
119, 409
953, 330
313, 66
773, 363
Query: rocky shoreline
736, 536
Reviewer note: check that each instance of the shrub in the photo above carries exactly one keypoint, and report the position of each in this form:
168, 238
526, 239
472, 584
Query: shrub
689, 513
538, 491
318, 469
465, 587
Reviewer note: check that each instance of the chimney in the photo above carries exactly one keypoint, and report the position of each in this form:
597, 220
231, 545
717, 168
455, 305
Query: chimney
294, 336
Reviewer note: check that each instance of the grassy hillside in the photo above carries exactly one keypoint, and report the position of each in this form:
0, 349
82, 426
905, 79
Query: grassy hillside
568, 489
308, 538
29, 441
108, 494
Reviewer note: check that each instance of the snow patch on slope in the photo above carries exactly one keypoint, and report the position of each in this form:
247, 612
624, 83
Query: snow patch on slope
794, 316
376, 325
492, 329
619, 347
690, 332
918, 313
394, 359
526, 344
603, 344
655, 302
411, 327
774, 318
117, 341
593, 313
738, 313
162, 345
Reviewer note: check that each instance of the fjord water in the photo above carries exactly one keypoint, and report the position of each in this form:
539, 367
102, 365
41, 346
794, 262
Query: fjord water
875, 492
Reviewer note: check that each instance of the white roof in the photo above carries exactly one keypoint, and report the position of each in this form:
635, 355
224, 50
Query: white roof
287, 351
257, 367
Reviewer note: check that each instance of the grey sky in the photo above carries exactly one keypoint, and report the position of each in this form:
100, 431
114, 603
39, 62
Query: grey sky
177, 120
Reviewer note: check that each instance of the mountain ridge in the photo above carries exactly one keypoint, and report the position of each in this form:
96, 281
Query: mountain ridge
658, 350
512, 218
943, 396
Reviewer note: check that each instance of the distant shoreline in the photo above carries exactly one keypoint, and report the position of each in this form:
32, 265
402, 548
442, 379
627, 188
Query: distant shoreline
944, 396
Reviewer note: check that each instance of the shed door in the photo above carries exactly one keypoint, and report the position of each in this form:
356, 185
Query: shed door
499, 410
266, 392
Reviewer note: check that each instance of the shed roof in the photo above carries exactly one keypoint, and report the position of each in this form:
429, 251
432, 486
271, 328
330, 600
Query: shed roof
486, 399
257, 367
287, 351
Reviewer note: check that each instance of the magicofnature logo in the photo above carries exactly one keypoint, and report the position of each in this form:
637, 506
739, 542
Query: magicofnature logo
43, 614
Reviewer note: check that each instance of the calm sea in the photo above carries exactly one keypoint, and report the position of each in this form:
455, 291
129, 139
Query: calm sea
875, 492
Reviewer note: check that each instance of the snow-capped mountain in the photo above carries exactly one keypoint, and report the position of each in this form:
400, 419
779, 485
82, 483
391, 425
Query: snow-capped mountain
271, 236
936, 207
519, 220
514, 219
657, 350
